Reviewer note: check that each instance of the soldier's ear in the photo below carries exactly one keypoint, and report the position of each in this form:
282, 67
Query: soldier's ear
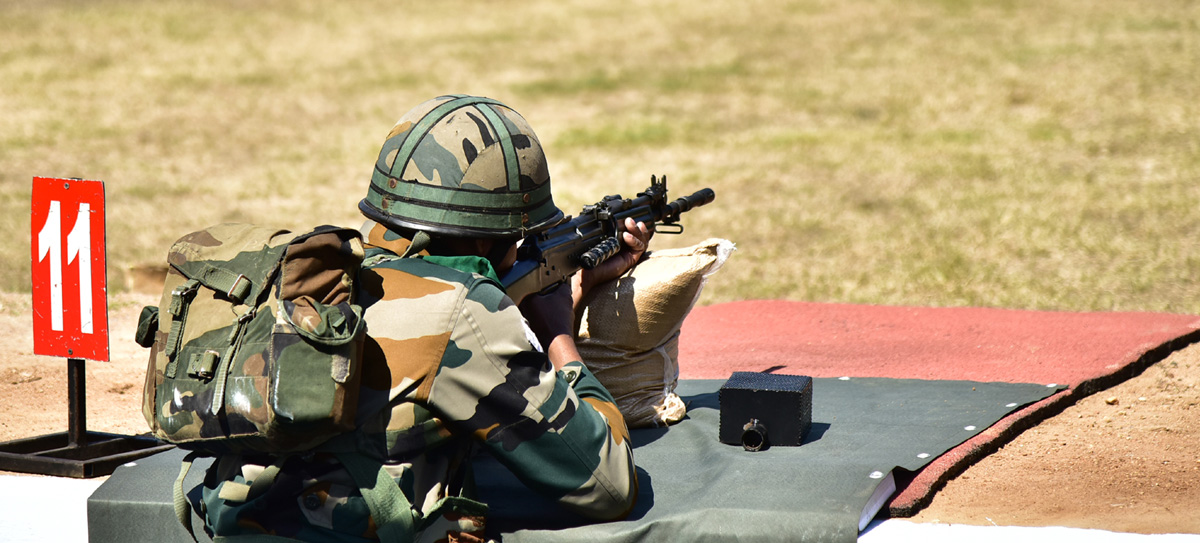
502, 255
483, 247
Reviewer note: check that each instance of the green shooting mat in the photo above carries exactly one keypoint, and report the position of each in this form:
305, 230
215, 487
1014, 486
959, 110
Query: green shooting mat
691, 487
694, 488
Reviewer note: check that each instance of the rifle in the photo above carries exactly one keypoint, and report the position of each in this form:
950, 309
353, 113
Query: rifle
551, 257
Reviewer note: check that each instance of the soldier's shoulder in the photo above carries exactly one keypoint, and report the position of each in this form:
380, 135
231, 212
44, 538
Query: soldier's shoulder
418, 276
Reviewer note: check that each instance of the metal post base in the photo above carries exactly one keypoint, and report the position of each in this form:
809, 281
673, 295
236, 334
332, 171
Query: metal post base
59, 455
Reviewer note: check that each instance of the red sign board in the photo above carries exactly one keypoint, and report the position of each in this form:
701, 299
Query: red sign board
70, 291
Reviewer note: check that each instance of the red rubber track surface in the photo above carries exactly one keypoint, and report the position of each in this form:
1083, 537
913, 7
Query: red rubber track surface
1085, 351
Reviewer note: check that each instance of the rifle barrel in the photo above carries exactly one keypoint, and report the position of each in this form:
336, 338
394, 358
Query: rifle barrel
686, 203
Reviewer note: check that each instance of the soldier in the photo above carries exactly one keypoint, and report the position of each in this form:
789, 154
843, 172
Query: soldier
451, 364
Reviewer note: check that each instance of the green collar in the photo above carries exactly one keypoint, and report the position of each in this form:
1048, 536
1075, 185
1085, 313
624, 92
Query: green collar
469, 264
379, 236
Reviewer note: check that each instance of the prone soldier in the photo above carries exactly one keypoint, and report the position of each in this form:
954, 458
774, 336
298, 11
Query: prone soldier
451, 363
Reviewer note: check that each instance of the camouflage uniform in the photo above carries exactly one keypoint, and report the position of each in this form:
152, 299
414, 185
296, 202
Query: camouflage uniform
447, 365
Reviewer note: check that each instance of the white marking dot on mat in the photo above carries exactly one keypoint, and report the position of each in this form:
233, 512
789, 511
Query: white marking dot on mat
876, 474
923, 455
969, 428
843, 378
1051, 385
1014, 404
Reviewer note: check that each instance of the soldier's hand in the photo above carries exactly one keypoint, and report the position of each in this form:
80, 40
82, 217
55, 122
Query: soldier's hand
552, 319
549, 314
636, 239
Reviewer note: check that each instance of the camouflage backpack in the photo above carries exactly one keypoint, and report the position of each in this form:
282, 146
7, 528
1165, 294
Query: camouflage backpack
255, 347
256, 341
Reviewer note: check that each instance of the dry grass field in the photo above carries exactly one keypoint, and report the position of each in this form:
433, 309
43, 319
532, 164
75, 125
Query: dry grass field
1009, 153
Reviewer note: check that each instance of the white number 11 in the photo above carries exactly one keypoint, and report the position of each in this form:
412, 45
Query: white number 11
78, 248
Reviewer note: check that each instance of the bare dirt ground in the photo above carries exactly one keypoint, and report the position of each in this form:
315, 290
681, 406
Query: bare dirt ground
33, 389
1126, 459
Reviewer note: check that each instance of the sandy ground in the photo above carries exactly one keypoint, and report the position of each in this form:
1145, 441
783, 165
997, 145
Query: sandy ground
33, 389
1126, 459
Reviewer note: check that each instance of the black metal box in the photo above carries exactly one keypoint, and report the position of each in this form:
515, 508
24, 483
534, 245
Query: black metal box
763, 409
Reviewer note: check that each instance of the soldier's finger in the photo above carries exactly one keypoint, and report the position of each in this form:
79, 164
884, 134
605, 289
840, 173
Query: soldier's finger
638, 231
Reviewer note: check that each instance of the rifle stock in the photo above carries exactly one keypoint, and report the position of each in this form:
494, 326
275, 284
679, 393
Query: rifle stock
583, 242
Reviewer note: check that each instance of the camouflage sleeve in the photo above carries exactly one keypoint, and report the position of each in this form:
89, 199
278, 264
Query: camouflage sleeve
559, 432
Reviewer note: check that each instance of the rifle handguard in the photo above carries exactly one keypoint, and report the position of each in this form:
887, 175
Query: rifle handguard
602, 251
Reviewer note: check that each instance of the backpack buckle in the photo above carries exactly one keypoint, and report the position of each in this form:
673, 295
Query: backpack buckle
180, 296
203, 365
239, 288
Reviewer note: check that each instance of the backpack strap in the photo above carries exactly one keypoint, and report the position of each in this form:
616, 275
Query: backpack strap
222, 370
240, 492
393, 514
233, 285
183, 509
420, 242
394, 517
181, 298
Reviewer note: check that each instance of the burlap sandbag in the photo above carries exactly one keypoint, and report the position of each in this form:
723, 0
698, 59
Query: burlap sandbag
629, 329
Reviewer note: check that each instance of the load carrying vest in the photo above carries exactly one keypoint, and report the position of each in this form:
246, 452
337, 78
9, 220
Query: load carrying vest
255, 348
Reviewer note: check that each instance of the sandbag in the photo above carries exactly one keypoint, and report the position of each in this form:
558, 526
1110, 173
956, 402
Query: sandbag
628, 329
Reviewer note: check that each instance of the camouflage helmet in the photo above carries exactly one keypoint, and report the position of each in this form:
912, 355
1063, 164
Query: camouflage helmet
462, 166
